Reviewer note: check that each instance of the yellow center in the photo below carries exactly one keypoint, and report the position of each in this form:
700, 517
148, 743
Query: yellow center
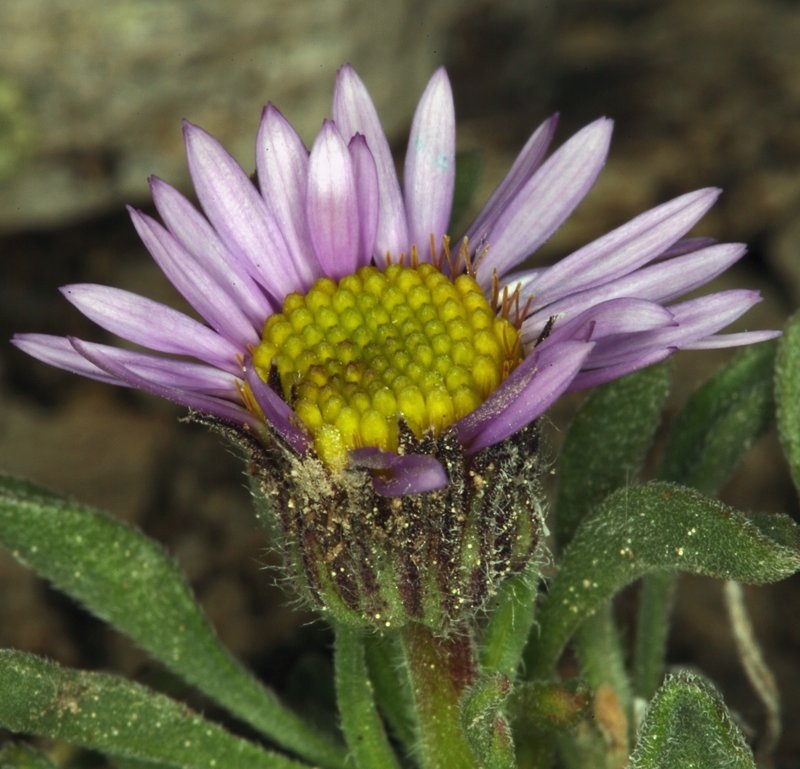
354, 358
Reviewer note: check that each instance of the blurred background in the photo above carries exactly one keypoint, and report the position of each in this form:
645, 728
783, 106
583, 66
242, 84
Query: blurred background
91, 98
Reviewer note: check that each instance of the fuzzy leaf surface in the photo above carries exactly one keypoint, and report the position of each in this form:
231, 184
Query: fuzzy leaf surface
607, 443
721, 421
687, 724
117, 717
654, 528
129, 581
787, 394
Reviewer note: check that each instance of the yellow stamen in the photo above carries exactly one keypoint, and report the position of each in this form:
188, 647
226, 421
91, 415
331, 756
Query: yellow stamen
406, 343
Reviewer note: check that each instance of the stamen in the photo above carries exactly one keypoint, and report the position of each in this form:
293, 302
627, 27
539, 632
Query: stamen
357, 358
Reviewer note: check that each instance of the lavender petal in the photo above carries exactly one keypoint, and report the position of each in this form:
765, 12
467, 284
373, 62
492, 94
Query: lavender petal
197, 286
332, 204
593, 377
208, 404
282, 165
151, 324
197, 236
276, 410
528, 160
546, 200
397, 476
430, 166
366, 175
57, 351
527, 393
622, 250
354, 112
659, 282
239, 214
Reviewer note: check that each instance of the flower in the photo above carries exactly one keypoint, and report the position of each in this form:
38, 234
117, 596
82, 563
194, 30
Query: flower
316, 224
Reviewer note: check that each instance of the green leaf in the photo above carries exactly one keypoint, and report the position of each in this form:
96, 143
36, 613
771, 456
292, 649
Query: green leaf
485, 724
721, 421
18, 755
540, 713
126, 579
656, 599
787, 395
604, 450
688, 725
709, 437
606, 444
651, 528
385, 666
361, 724
509, 624
602, 656
118, 717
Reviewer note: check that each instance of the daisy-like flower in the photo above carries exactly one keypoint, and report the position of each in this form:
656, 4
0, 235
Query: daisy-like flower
342, 320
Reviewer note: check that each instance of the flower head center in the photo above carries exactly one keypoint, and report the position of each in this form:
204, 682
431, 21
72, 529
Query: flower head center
356, 357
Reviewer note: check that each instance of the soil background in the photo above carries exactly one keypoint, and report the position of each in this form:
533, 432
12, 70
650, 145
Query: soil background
703, 94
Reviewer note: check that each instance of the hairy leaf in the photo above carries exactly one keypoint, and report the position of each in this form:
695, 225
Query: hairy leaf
651, 528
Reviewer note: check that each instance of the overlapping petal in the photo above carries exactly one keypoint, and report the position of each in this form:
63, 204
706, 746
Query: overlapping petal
624, 249
527, 393
194, 233
332, 204
282, 169
528, 160
353, 113
545, 200
659, 282
238, 213
197, 285
366, 175
152, 324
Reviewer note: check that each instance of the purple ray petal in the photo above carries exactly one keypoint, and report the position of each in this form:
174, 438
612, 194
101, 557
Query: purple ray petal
169, 372
367, 191
396, 475
208, 404
198, 237
527, 393
332, 204
282, 164
687, 246
732, 340
659, 282
57, 351
546, 199
587, 378
625, 248
695, 320
152, 324
276, 410
528, 160
617, 316
240, 216
430, 166
198, 287
354, 112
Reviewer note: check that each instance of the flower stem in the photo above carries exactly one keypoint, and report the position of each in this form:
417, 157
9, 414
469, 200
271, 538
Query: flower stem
361, 723
440, 669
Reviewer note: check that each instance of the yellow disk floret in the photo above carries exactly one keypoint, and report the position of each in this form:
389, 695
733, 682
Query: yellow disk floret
354, 358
